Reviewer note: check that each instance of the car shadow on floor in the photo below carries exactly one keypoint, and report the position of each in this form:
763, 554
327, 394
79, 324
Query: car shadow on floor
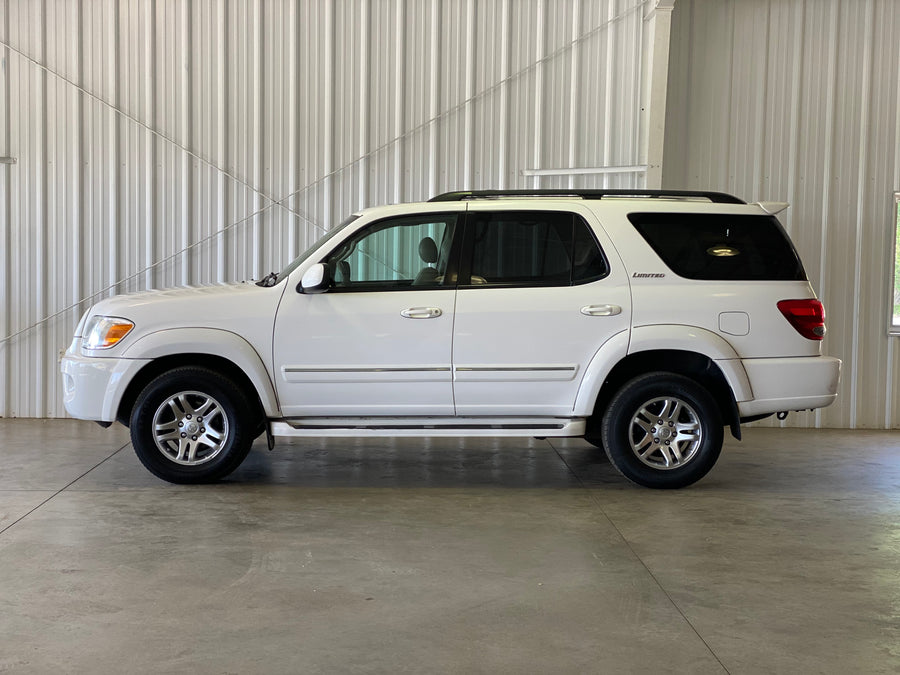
419, 462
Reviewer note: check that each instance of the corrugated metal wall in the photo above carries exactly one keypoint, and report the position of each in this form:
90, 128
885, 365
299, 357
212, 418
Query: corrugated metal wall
793, 100
165, 142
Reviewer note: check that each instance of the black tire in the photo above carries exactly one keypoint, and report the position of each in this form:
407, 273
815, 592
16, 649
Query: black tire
172, 438
674, 454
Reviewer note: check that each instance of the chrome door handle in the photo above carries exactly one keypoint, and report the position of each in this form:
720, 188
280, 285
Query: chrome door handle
421, 313
601, 310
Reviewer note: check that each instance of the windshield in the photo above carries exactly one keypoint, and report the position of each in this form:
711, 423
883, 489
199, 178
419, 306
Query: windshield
305, 255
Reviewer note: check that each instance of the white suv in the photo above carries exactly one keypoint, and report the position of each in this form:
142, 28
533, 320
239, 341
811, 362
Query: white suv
645, 321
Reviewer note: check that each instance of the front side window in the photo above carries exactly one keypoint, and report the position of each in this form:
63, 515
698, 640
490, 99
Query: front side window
330, 234
411, 252
532, 248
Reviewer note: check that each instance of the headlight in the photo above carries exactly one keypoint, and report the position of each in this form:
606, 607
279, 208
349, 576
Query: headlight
103, 332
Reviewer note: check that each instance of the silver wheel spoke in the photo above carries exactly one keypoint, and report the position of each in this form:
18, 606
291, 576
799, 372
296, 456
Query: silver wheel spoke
192, 451
675, 411
649, 451
177, 410
648, 439
643, 424
213, 435
664, 412
202, 410
666, 456
182, 447
185, 404
171, 425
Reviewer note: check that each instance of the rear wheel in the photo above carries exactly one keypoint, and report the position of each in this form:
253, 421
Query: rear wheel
662, 430
192, 425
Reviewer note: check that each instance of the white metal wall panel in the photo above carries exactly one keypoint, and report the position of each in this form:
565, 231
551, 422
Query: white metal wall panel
796, 100
169, 142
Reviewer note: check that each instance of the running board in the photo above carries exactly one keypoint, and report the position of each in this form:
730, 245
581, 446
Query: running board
429, 426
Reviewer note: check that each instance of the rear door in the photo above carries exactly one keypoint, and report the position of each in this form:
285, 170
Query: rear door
540, 291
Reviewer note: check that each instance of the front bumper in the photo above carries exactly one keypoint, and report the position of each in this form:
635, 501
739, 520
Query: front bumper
786, 384
93, 387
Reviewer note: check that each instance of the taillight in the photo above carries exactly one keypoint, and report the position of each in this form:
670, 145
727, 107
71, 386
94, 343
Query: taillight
806, 316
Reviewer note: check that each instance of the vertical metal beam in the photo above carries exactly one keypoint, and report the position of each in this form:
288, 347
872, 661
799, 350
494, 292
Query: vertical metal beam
797, 81
574, 77
39, 271
77, 176
659, 29
828, 169
329, 112
505, 42
150, 177
5, 211
434, 98
399, 80
111, 196
469, 112
537, 150
609, 90
184, 48
222, 140
861, 203
365, 103
257, 152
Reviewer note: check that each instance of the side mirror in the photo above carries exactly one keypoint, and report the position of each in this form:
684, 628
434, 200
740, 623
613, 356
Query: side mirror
316, 279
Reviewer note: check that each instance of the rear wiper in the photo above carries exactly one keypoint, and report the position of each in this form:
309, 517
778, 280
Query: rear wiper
268, 280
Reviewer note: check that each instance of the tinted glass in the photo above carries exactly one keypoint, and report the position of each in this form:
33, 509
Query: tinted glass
721, 247
534, 248
587, 258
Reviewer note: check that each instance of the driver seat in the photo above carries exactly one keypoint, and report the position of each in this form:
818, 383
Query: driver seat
428, 252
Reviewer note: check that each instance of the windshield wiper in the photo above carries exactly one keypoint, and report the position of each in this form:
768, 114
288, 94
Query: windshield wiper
268, 280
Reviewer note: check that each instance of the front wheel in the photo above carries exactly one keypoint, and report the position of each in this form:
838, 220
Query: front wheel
662, 430
191, 425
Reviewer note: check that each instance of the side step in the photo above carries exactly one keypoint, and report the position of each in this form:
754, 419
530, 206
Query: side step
429, 426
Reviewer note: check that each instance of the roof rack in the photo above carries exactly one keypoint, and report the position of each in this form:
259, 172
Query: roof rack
716, 197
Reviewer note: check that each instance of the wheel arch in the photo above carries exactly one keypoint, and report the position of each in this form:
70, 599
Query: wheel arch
697, 367
221, 351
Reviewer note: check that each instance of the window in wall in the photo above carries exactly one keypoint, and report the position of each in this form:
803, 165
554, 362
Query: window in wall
895, 289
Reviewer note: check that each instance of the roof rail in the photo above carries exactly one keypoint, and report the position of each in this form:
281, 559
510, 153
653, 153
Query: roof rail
716, 197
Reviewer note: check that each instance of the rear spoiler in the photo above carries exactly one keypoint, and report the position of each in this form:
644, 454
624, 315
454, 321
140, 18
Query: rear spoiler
772, 208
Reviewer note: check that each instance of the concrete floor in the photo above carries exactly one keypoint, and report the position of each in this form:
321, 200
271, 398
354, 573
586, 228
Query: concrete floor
450, 556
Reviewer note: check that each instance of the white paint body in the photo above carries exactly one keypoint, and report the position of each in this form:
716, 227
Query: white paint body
447, 361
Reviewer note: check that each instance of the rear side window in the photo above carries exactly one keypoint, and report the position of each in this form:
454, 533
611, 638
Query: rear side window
532, 248
715, 246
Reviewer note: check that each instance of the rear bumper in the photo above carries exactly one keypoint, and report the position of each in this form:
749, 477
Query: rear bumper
784, 384
93, 388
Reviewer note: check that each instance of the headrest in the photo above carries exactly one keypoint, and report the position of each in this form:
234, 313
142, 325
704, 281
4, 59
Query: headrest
428, 250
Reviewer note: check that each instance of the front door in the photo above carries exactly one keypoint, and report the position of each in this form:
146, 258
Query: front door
538, 296
379, 341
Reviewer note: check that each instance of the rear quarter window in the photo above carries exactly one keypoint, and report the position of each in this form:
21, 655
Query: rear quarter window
715, 246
